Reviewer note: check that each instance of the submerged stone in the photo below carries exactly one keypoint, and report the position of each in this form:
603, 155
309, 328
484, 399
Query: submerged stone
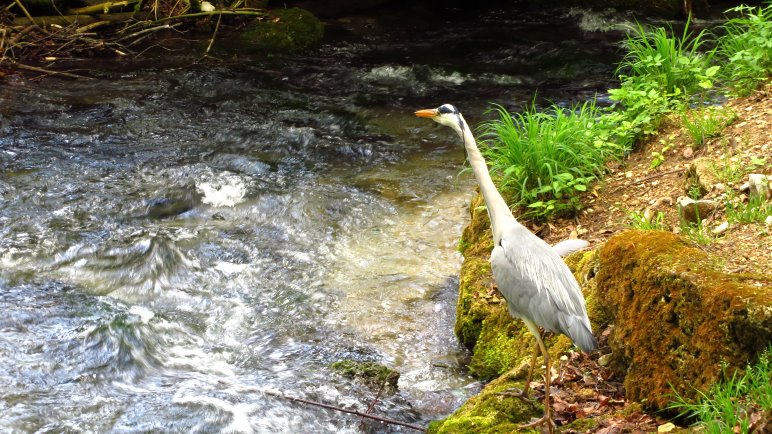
286, 30
371, 374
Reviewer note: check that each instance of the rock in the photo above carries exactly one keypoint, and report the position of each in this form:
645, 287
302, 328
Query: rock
604, 360
758, 186
693, 211
667, 427
702, 172
720, 229
371, 374
768, 220
288, 30
677, 315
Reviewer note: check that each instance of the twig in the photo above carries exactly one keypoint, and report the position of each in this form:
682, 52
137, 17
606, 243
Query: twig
142, 32
343, 410
211, 41
208, 14
47, 71
26, 13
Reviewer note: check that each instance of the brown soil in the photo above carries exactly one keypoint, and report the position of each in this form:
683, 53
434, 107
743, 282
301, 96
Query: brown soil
633, 186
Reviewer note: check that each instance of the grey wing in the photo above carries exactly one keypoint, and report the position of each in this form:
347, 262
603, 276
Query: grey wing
538, 285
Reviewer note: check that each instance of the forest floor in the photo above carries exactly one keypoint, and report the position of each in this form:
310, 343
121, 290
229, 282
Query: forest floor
634, 187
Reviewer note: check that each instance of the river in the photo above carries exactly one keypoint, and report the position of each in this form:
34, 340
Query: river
180, 236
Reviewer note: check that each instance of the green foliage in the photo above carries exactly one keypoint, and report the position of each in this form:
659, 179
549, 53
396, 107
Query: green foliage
660, 72
696, 232
705, 124
746, 48
673, 64
755, 210
641, 221
730, 405
544, 160
658, 156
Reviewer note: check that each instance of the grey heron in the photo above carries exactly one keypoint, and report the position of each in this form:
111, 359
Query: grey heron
530, 274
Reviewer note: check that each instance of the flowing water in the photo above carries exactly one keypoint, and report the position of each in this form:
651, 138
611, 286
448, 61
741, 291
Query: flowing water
176, 239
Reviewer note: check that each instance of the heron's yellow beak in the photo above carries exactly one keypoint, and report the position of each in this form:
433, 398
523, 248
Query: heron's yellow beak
427, 113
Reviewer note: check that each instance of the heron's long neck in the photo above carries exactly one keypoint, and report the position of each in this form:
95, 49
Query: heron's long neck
498, 210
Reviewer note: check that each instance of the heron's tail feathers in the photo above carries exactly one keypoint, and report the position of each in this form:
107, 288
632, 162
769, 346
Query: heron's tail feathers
566, 247
579, 332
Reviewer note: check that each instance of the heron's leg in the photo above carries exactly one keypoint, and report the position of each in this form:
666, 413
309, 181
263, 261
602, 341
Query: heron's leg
531, 367
547, 418
523, 393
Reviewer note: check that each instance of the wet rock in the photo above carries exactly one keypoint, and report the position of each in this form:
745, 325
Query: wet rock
288, 30
164, 207
694, 211
371, 374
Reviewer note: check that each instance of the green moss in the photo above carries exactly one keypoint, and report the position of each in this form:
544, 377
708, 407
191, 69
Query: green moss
677, 316
285, 30
371, 374
489, 413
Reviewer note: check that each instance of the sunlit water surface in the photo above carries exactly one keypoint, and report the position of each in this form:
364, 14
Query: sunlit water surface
176, 239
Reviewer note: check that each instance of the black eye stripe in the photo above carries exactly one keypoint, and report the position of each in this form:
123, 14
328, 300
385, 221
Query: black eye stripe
447, 109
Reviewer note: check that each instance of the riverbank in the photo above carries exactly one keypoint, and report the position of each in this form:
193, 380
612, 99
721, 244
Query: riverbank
590, 390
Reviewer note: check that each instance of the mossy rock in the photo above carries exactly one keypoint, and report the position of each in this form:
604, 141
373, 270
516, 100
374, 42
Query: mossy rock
285, 30
677, 316
490, 413
371, 374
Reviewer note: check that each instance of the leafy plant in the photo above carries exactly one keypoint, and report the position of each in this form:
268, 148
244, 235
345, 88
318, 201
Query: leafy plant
674, 63
658, 157
733, 404
659, 72
544, 160
746, 47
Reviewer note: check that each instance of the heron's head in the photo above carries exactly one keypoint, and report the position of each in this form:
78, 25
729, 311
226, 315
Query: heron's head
447, 115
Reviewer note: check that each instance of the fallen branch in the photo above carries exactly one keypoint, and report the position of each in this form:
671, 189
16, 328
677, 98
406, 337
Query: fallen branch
343, 410
101, 7
48, 71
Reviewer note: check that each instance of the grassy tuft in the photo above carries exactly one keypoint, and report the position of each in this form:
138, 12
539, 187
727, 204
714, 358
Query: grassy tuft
735, 403
705, 124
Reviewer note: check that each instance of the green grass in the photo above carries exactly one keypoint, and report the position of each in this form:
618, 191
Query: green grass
544, 160
705, 124
675, 64
733, 404
746, 48
755, 210
641, 221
